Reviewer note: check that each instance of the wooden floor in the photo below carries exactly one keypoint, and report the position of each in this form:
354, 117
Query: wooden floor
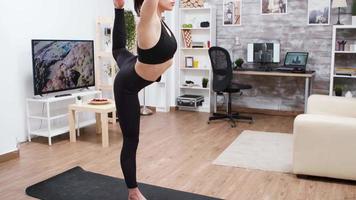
176, 150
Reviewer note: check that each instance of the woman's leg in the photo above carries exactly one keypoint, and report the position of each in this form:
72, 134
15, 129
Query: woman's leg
126, 87
119, 51
129, 117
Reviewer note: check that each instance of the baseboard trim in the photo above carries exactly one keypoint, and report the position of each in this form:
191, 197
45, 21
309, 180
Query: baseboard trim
263, 111
9, 156
171, 109
246, 110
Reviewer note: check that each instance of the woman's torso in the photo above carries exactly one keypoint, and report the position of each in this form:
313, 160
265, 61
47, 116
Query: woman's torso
155, 50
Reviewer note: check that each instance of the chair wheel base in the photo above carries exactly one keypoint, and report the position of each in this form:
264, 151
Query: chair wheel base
232, 118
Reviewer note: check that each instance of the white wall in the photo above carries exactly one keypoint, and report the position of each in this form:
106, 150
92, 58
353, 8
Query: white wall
21, 21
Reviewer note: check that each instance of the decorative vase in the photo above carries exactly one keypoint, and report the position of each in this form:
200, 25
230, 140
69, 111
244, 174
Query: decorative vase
354, 20
195, 63
348, 94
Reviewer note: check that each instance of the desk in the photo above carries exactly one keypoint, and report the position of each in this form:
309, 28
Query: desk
308, 76
101, 114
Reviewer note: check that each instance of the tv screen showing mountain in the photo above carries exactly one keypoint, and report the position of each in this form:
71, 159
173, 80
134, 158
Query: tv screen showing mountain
60, 65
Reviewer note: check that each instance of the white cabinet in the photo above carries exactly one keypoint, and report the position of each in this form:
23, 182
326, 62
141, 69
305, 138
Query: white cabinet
205, 37
49, 114
343, 60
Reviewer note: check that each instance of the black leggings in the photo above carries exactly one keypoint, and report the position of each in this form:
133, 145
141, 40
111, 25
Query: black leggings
127, 84
126, 87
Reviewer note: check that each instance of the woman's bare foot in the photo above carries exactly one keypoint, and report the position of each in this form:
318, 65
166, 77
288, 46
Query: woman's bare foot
135, 194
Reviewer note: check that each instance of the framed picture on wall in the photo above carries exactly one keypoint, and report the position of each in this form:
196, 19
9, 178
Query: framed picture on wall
274, 7
189, 60
318, 12
232, 12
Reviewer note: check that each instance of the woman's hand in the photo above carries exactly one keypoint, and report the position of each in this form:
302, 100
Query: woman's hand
119, 3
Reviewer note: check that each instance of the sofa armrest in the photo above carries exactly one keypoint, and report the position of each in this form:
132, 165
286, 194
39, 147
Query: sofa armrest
325, 146
331, 105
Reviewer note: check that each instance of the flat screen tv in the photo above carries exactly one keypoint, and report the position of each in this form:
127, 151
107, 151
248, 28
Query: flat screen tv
60, 65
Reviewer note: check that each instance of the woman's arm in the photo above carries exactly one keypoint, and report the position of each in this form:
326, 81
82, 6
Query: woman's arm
149, 23
148, 10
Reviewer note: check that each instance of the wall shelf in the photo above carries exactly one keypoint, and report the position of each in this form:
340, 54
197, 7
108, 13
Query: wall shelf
198, 49
346, 52
341, 76
194, 88
195, 29
196, 9
104, 54
194, 69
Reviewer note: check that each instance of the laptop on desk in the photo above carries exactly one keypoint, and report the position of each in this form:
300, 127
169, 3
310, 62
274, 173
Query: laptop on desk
294, 62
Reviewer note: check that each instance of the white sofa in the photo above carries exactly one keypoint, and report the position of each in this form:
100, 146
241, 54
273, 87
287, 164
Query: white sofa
325, 138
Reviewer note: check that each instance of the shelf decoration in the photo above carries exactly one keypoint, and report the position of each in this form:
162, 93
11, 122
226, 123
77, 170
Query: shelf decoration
187, 38
341, 45
189, 61
111, 72
192, 3
107, 39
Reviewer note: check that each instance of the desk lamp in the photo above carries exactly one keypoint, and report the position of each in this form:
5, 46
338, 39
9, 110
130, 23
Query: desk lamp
339, 4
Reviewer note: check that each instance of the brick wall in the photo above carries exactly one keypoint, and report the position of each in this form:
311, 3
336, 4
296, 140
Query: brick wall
293, 33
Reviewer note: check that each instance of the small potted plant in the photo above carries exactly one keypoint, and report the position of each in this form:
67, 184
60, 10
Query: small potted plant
238, 63
338, 90
205, 82
79, 100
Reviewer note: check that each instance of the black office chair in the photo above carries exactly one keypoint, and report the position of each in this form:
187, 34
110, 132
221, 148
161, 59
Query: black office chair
222, 83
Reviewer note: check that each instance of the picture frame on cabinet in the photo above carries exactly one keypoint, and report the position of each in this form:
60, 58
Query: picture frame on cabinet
189, 61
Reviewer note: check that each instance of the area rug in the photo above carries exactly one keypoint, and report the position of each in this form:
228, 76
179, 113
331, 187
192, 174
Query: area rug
259, 150
79, 184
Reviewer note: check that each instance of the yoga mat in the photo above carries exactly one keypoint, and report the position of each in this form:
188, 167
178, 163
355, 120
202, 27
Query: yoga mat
78, 184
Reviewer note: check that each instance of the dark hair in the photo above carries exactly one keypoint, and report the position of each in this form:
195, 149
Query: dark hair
138, 4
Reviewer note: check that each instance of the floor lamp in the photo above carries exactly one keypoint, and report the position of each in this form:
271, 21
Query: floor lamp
144, 110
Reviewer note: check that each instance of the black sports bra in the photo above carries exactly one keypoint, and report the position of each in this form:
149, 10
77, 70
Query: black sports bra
162, 51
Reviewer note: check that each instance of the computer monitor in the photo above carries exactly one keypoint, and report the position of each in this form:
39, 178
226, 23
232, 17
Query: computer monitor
263, 53
296, 59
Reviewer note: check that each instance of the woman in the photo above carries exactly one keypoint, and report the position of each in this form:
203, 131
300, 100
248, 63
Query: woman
156, 46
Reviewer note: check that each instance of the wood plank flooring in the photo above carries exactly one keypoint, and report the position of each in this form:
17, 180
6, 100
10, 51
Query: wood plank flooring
176, 150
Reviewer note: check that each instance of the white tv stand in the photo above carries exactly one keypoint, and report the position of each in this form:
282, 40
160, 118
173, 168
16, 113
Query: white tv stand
50, 115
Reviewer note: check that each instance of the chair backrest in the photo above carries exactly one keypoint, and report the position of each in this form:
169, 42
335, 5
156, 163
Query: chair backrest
222, 69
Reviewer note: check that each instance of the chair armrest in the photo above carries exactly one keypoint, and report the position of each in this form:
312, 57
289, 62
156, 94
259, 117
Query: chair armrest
332, 105
325, 146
